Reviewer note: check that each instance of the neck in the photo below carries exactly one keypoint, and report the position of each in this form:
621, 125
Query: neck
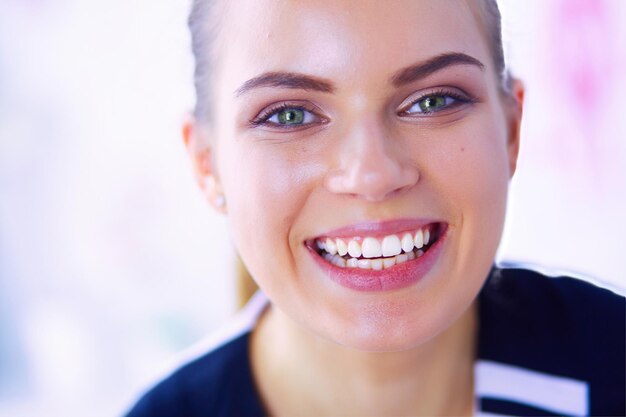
299, 373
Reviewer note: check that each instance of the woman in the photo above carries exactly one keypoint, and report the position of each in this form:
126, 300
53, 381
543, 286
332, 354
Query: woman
362, 153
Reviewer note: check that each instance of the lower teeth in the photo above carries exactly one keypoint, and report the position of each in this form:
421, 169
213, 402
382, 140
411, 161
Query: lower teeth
373, 263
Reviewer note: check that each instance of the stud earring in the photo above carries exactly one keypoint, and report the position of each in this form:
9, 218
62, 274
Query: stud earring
220, 201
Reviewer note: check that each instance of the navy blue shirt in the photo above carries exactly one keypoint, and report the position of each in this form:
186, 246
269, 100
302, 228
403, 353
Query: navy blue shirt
546, 346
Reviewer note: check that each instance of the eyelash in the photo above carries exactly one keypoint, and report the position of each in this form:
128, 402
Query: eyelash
268, 113
459, 99
263, 118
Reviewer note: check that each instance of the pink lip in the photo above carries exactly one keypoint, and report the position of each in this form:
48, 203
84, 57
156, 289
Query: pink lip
378, 229
400, 276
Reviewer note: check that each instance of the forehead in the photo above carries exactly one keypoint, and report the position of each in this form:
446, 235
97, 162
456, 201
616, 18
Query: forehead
347, 41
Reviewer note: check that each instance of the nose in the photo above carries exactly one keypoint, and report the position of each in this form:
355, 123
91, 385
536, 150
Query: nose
371, 165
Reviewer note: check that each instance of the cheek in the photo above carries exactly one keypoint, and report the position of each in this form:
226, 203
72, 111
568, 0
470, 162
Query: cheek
476, 175
266, 186
258, 182
470, 163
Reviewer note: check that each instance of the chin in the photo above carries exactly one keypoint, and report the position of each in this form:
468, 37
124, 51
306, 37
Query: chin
392, 327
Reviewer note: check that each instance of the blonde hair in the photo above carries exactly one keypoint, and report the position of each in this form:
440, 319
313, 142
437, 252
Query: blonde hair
244, 285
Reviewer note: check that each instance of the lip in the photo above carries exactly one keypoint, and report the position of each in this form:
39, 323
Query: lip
398, 277
378, 229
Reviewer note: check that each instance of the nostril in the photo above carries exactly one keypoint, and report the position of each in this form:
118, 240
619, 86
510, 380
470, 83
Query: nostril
370, 165
374, 184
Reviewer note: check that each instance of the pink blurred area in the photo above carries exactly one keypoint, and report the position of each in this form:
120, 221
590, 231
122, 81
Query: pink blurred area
570, 189
110, 260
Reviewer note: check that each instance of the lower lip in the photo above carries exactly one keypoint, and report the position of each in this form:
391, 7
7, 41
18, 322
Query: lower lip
397, 277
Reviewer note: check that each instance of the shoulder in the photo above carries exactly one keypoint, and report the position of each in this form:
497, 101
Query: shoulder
576, 306
215, 378
558, 326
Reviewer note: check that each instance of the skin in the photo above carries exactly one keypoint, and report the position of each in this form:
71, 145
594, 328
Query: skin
407, 351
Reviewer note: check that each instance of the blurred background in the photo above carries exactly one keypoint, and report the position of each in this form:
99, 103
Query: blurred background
111, 262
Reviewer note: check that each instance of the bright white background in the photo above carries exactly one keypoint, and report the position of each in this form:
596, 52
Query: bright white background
110, 260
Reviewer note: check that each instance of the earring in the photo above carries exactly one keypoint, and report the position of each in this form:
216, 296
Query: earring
220, 201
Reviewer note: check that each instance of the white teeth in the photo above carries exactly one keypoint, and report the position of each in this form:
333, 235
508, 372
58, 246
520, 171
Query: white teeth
364, 263
391, 246
419, 239
407, 243
331, 247
392, 250
377, 264
389, 262
354, 249
342, 247
371, 248
402, 258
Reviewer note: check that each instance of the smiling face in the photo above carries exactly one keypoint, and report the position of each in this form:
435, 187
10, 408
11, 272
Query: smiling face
337, 132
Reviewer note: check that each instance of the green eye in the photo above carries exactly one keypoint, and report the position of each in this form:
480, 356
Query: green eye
432, 103
287, 116
290, 116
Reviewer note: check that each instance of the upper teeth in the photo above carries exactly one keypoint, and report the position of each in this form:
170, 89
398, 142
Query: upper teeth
354, 248
391, 245
342, 247
371, 247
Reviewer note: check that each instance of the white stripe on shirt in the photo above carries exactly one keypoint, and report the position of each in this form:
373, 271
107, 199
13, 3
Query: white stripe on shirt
553, 393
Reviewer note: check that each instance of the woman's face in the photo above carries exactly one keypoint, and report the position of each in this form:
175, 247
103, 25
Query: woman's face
365, 123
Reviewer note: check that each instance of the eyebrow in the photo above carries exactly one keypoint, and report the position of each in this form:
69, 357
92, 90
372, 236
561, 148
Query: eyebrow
297, 81
423, 69
287, 80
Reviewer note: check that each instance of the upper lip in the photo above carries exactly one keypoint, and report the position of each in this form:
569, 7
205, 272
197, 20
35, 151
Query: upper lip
378, 228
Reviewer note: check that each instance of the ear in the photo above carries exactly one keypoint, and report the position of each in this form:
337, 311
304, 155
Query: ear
196, 139
515, 106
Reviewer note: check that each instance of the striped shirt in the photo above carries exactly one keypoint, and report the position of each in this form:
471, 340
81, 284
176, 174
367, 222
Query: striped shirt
547, 346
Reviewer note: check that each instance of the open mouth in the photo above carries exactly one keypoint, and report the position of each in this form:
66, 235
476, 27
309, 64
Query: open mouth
378, 252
